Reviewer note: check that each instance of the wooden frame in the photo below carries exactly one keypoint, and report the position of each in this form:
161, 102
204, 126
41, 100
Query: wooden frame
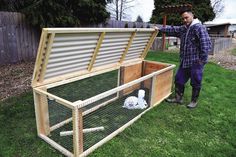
99, 53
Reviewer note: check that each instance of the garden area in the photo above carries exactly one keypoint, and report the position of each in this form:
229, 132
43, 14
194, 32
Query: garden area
166, 130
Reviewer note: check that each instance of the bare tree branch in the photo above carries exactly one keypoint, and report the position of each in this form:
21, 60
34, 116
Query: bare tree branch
218, 6
121, 6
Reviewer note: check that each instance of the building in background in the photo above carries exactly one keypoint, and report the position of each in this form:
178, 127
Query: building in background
218, 30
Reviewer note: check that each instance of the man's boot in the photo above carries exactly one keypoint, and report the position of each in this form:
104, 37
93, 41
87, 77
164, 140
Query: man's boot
179, 92
195, 95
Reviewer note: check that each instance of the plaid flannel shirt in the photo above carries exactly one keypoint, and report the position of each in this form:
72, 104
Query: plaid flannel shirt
195, 42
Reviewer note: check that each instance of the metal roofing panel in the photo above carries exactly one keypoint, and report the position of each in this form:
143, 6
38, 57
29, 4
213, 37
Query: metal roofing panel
107, 62
108, 55
66, 51
102, 52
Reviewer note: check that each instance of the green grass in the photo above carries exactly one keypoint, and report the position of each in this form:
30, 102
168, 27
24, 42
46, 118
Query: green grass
164, 131
233, 52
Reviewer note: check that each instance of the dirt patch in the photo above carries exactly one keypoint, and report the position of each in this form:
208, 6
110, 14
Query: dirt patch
225, 59
15, 79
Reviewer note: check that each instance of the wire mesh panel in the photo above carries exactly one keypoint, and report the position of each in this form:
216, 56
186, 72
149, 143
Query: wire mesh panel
110, 117
86, 88
100, 118
60, 119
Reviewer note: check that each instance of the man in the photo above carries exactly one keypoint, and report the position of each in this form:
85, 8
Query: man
194, 47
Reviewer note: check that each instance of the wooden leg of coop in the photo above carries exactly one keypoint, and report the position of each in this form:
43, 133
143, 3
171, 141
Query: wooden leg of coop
118, 83
41, 112
77, 131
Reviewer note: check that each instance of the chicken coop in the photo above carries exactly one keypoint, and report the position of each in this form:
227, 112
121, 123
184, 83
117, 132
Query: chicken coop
83, 76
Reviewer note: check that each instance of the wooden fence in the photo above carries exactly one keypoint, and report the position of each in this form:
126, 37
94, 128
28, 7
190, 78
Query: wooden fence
171, 43
123, 24
18, 41
220, 44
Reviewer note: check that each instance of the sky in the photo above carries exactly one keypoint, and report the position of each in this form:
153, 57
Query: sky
144, 8
229, 13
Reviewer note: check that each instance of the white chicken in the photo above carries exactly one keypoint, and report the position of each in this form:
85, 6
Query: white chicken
134, 102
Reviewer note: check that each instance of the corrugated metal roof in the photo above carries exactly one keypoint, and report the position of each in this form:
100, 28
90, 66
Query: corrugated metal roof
68, 52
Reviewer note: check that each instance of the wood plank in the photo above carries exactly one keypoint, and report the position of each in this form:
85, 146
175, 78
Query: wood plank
39, 58
154, 34
90, 30
118, 83
95, 53
46, 57
42, 116
161, 84
152, 67
98, 106
153, 91
1, 45
17, 17
21, 37
130, 73
77, 131
5, 53
127, 47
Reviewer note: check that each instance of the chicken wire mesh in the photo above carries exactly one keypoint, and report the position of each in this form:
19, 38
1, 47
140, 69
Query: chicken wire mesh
105, 115
58, 114
86, 88
110, 117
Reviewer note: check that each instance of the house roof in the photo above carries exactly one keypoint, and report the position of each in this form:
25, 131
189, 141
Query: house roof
216, 25
176, 8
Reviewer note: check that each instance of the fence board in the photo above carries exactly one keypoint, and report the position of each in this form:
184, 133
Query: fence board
220, 44
1, 43
18, 40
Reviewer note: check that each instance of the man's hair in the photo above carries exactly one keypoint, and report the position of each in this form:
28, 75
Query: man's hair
183, 10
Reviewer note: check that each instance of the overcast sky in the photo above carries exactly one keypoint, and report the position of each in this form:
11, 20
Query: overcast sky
229, 13
144, 8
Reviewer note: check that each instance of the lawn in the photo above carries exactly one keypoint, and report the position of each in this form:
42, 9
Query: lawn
164, 131
233, 52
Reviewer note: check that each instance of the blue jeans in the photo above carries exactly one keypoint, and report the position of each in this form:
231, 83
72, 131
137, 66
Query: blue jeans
194, 73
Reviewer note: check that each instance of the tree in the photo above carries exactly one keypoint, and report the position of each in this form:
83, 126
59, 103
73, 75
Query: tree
59, 13
118, 8
218, 6
139, 19
202, 9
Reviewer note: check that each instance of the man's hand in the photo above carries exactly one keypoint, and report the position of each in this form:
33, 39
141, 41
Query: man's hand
156, 28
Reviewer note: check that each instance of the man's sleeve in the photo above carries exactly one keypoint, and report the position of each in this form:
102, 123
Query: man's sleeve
171, 30
205, 44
